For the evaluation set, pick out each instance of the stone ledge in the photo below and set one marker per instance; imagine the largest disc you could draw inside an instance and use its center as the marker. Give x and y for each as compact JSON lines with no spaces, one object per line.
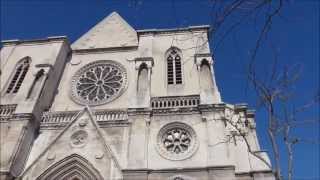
{"x":188,"y":169}
{"x":32,"y":41}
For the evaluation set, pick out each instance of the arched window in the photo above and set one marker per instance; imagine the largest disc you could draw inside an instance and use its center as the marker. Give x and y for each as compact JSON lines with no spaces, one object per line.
{"x":174,"y":69}
{"x":19,"y":75}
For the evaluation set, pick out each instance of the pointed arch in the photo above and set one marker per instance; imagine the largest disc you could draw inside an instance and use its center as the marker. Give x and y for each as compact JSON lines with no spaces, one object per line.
{"x":174,"y":66}
{"x":142,"y":78}
{"x":69,"y":168}
{"x":206,"y":75}
{"x":19,"y":74}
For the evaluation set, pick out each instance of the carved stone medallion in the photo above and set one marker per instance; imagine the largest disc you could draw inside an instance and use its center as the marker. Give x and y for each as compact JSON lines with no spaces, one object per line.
{"x":176,"y":141}
{"x":79,"y":138}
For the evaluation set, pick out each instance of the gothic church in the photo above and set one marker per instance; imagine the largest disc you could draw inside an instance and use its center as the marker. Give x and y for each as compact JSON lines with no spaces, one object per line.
{"x":121,"y":103}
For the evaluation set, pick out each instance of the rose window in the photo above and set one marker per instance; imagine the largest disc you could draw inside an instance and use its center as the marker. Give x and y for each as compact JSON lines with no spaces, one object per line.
{"x":98,"y":83}
{"x":176,"y":141}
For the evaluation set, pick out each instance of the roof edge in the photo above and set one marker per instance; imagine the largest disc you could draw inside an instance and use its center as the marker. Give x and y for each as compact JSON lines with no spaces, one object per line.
{"x":189,"y":28}
{"x":43,"y":40}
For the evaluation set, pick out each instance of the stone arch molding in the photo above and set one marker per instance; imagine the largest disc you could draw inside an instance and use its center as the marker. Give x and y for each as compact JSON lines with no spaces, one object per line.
{"x":71,"y":167}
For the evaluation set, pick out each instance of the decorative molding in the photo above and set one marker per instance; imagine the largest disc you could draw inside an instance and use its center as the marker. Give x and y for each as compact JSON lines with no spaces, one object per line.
{"x":58,"y":117}
{"x":6,"y":111}
{"x":180,"y":177}
{"x":175,"y":111}
{"x":14,"y":42}
{"x":147,"y":60}
{"x":53,"y":120}
{"x":111,"y":115}
{"x":198,"y":58}
{"x":69,"y":167}
{"x":175,"y":102}
{"x":174,"y":30}
{"x":103,"y":50}
{"x":180,"y":170}
{"x":139,"y":111}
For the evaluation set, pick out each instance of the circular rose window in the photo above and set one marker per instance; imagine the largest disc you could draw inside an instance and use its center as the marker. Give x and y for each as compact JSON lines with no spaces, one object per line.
{"x":176,"y":141}
{"x":98,"y":83}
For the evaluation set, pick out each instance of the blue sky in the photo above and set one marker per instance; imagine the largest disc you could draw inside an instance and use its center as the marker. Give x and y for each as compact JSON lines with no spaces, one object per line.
{"x":295,"y":36}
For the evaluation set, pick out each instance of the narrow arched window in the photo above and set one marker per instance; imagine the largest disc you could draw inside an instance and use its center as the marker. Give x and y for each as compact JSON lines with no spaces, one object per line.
{"x":18,"y":76}
{"x":174,"y":69}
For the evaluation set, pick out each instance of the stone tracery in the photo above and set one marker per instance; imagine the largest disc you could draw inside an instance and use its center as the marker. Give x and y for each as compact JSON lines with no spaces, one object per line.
{"x":176,"y":141}
{"x":98,"y":83}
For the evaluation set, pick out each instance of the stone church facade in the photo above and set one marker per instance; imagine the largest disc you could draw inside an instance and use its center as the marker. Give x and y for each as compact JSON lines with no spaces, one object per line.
{"x":121,"y":103}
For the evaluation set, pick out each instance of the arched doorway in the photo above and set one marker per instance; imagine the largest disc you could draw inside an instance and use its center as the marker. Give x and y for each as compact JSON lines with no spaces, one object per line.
{"x":73,"y":167}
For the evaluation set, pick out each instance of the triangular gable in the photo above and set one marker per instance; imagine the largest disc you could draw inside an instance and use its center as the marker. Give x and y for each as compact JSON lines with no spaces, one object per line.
{"x":113,"y":31}
{"x":81,"y":136}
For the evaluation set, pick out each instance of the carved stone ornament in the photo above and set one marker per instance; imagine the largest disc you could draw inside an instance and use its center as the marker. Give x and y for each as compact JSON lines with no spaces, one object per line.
{"x":98,"y":83}
{"x":79,"y":138}
{"x":176,"y":141}
{"x":51,"y":156}
{"x":180,"y":177}
{"x":83,"y":122}
{"x":99,"y":155}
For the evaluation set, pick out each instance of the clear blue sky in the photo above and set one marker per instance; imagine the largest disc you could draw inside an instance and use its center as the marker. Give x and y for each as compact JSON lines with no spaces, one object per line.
{"x":295,"y":35}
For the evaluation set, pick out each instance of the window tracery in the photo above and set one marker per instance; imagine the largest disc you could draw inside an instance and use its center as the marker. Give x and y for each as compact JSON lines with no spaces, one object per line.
{"x":174,"y":68}
{"x":98,"y":83}
{"x":176,"y":141}
{"x":19,"y":75}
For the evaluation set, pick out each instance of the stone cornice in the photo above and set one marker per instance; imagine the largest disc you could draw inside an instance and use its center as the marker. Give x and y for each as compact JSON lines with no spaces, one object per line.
{"x":174,"y":30}
{"x":22,"y":116}
{"x":104,"y":50}
{"x":121,"y":123}
{"x":188,"y":169}
{"x":14,"y":42}
{"x":174,"y":111}
{"x":254,"y":172}
{"x":139,"y":111}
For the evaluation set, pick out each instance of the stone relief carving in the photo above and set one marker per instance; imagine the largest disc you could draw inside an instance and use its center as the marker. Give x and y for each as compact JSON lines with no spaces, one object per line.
{"x":180,"y":177}
{"x":83,"y":122}
{"x":98,"y":83}
{"x":79,"y":138}
{"x":176,"y":141}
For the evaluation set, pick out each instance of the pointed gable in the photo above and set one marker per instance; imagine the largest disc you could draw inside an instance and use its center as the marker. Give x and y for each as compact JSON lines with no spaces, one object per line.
{"x":82,"y":138}
{"x":113,"y":31}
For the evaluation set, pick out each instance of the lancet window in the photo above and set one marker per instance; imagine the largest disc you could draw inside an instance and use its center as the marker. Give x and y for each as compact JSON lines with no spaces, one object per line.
{"x":174,"y":68}
{"x":19,"y":75}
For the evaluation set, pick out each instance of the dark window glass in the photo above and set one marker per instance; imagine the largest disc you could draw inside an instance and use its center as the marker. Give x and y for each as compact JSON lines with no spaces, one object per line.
{"x":174,"y":68}
{"x":19,"y":75}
